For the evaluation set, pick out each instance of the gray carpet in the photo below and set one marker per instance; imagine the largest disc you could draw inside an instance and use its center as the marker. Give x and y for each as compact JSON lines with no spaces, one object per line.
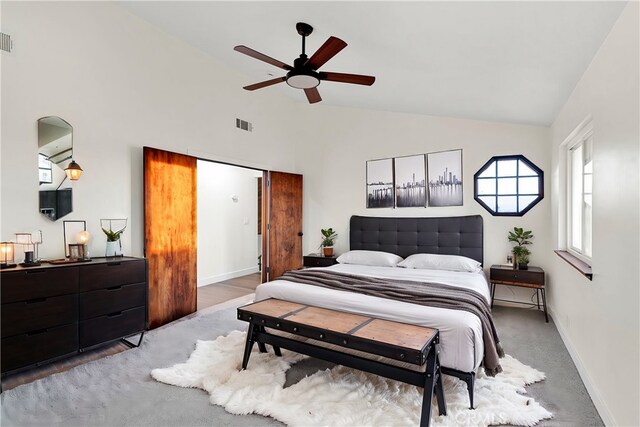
{"x":118,"y":391}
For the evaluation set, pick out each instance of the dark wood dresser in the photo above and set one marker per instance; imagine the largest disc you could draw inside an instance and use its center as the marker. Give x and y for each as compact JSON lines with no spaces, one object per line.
{"x":53,"y":311}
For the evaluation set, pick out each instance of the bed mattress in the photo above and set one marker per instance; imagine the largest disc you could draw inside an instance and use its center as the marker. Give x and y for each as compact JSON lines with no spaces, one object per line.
{"x":461,"y":345}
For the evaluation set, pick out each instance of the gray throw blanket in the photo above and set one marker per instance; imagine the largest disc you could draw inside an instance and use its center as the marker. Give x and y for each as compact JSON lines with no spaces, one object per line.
{"x":428,"y":294}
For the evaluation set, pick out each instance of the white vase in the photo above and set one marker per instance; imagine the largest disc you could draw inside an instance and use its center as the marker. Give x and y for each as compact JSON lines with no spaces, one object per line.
{"x":113,"y":249}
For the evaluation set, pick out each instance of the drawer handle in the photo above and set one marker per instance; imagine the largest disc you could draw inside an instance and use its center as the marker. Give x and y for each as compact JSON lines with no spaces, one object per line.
{"x":115,"y":314}
{"x":114,"y":288}
{"x":35,"y":301}
{"x":110,"y":264}
{"x":36,"y":271}
{"x":38,"y":332}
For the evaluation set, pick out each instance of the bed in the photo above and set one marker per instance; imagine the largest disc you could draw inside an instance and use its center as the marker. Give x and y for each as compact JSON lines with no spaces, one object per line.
{"x":462,"y":347}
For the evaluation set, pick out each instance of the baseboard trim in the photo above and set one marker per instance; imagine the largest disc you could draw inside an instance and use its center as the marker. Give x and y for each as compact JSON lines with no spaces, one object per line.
{"x":596,"y":397}
{"x":227,"y":276}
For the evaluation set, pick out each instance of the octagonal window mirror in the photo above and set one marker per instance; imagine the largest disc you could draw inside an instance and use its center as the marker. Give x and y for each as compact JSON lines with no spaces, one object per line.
{"x":508,"y":185}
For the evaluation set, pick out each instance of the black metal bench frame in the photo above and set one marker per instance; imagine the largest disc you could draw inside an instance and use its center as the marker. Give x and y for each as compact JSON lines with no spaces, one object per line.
{"x":430,"y":380}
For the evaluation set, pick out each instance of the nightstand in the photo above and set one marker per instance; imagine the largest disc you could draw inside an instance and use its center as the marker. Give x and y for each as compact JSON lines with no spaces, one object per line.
{"x":316,"y":260}
{"x":532,"y":278}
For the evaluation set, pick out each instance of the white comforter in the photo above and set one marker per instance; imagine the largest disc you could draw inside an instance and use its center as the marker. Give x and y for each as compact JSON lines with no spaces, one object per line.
{"x":461,"y":345}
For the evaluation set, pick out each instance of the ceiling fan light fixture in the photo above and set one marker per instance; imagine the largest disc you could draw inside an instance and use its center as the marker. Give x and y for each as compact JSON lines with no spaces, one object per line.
{"x":302,"y":80}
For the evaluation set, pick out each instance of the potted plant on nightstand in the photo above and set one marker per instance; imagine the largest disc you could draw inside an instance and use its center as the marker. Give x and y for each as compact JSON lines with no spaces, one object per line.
{"x":328,"y":238}
{"x":520,"y":252}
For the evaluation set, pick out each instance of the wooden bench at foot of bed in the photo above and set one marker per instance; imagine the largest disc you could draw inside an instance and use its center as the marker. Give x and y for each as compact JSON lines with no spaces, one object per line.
{"x":415,"y":345}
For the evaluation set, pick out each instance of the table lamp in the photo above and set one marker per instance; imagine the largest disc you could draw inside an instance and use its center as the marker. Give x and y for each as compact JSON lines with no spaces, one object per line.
{"x":6,"y":255}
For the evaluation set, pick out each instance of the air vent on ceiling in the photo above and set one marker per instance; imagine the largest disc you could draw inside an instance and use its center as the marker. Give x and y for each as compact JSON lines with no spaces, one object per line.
{"x":244,"y":125}
{"x":5,"y":42}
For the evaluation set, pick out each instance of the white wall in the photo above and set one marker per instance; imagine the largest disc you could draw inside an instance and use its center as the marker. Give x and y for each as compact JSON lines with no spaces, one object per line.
{"x":122,"y":84}
{"x":227,"y":229}
{"x":599,"y":320}
{"x":334,"y":171}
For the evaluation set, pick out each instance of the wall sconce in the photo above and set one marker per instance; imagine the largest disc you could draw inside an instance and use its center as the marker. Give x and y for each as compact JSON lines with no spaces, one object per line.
{"x":73,"y":171}
{"x":6,"y":255}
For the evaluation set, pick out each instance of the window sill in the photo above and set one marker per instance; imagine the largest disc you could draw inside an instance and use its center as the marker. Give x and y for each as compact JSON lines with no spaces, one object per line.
{"x":578,"y":264}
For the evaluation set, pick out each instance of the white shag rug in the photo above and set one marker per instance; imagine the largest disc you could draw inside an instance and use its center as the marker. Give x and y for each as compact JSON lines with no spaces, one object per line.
{"x":346,"y":397}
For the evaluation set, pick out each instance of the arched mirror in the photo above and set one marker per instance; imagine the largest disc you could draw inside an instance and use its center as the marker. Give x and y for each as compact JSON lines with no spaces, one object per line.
{"x":55,"y":151}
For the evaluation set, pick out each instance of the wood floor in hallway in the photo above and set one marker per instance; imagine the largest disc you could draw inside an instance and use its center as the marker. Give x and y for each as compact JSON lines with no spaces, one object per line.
{"x":227,"y":290}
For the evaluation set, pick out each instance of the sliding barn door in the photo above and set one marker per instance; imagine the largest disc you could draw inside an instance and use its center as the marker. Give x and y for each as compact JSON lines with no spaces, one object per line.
{"x":284,"y":225}
{"x":170,"y":227}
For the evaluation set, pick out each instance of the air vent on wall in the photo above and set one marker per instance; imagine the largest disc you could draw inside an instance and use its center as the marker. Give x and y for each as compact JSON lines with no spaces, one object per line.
{"x":5,"y":42}
{"x":244,"y":125}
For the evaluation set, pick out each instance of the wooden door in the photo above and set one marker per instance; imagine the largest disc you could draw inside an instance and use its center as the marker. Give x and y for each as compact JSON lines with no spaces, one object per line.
{"x":284,"y":225}
{"x":170,"y":227}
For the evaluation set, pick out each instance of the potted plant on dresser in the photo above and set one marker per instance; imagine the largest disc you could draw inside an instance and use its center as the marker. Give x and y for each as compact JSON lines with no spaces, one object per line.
{"x":114,"y":246}
{"x":328,"y":239}
{"x":520,"y":251}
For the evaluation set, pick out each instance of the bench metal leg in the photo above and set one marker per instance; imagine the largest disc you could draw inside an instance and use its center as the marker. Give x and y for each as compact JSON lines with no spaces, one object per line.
{"x":276,"y":350}
{"x":538,"y":298}
{"x":433,"y":381}
{"x":248,"y":345}
{"x":442,"y":403}
{"x":427,"y":392}
{"x":261,"y":346}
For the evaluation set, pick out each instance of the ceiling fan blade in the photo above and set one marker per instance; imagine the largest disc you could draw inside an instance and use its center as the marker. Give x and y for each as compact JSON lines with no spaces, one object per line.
{"x":328,"y":50}
{"x":348,"y":78}
{"x":265,"y":83}
{"x":262,"y":57}
{"x":313,"y":95}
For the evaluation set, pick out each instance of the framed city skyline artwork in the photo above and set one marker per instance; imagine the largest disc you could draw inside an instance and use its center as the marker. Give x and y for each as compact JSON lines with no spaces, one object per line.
{"x":445,"y":178}
{"x":380,"y":183}
{"x":410,"y":181}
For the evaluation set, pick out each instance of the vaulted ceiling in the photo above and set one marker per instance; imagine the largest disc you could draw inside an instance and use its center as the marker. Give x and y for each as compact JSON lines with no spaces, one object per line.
{"x":499,"y":61}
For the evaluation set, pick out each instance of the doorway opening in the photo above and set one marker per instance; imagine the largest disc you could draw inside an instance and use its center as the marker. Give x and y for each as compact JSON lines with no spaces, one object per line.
{"x":229,"y":231}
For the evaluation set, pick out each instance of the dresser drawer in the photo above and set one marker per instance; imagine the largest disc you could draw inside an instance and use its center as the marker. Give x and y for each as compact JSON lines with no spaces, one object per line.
{"x":27,"y":349}
{"x":38,"y":314}
{"x":316,"y":261}
{"x":38,"y":283}
{"x":111,"y":300}
{"x":107,"y":275}
{"x":518,"y":276}
{"x":112,"y":326}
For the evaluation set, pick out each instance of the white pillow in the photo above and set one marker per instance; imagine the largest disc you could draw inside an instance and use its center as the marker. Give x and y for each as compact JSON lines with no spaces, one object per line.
{"x":375,"y":258}
{"x":441,"y":262}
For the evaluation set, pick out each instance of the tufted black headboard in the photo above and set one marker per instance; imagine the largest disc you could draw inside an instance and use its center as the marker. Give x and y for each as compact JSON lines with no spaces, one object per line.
{"x":458,"y":235}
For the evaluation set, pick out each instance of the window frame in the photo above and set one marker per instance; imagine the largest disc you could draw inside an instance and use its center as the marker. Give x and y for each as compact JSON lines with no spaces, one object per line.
{"x":584,"y":133}
{"x":517,"y":194}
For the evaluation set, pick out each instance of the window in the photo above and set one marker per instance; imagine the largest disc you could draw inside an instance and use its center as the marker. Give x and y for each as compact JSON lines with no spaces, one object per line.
{"x":580,"y":193}
{"x":508,"y":185}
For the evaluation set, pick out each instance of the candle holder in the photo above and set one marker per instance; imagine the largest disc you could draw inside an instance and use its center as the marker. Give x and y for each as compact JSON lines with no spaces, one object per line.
{"x":24,"y":239}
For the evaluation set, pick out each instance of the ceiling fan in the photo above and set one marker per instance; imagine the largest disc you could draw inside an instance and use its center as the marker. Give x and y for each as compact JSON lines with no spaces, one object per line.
{"x":304,"y":74}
